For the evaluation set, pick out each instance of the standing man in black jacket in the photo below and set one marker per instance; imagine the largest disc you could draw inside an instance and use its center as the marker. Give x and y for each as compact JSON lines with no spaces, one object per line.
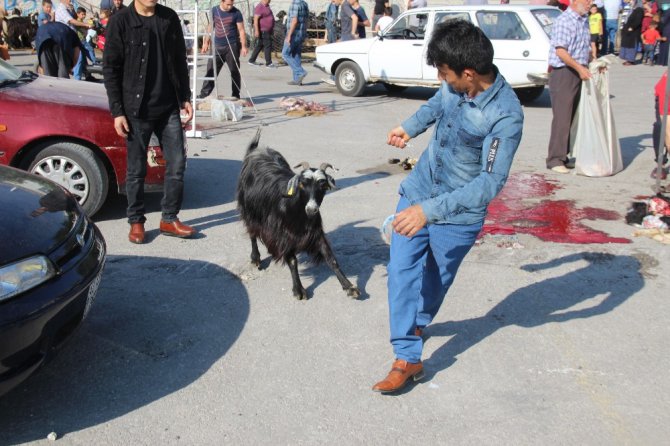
{"x":146,"y":77}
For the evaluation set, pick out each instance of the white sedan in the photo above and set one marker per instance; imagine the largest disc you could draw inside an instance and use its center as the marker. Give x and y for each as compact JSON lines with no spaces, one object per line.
{"x":397,"y":57}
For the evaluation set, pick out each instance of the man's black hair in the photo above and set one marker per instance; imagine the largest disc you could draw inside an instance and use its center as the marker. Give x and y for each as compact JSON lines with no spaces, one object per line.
{"x":80,"y":9}
{"x":459,"y":45}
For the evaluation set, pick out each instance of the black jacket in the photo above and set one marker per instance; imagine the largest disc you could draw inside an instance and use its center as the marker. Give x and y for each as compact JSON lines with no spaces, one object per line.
{"x":126,"y":55}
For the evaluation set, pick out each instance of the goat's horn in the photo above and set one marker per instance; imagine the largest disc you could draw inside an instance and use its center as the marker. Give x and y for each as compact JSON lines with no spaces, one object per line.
{"x":304,"y":165}
{"x":325,"y":166}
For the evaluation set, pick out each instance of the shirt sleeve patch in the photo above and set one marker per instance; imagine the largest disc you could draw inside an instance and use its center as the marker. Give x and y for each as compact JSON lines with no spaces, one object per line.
{"x":493,"y":151}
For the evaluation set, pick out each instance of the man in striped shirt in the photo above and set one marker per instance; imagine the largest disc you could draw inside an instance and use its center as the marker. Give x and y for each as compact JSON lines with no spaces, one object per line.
{"x":569,"y":55}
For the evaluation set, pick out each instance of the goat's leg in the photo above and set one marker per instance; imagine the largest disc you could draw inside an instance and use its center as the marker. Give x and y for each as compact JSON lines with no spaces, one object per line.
{"x":255,"y":254}
{"x":329,"y":256}
{"x":299,"y":292}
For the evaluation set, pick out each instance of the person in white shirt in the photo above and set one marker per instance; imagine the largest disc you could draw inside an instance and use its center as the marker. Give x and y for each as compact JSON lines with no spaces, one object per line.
{"x":384,"y":21}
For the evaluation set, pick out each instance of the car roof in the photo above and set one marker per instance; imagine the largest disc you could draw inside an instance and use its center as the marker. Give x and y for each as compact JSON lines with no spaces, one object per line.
{"x":482,"y":8}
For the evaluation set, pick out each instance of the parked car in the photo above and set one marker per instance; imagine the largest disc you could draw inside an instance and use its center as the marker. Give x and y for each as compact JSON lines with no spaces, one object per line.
{"x":62,"y":129}
{"x":51,"y":261}
{"x":397,"y":57}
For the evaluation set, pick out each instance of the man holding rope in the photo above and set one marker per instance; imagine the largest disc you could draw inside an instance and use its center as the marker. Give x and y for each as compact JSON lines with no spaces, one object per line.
{"x":229,"y":41}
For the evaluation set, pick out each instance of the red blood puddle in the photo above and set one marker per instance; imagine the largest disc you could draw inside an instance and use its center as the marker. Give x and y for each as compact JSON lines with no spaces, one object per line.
{"x":551,"y":221}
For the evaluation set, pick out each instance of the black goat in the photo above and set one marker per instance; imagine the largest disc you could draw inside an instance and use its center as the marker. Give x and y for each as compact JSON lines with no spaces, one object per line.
{"x":282,"y":209}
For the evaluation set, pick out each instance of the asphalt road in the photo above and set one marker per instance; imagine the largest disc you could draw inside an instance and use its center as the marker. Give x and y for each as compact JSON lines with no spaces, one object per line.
{"x":545,"y":337}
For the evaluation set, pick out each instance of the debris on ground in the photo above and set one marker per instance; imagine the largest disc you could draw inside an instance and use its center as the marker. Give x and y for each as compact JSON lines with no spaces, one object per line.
{"x":652,"y":217}
{"x":206,"y":103}
{"x":507,"y":241}
{"x":407,"y":163}
{"x":53,"y":436}
{"x":296,"y":106}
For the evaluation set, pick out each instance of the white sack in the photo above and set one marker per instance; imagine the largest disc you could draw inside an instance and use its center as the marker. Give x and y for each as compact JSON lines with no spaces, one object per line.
{"x":593,"y":140}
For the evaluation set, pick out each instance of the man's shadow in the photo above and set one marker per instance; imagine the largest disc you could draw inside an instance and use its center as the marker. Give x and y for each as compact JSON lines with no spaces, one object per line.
{"x":577,"y":294}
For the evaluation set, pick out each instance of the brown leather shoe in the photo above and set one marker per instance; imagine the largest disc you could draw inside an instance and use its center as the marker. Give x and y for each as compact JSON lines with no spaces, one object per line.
{"x":136,"y":234}
{"x":176,"y":229}
{"x":401,"y":371}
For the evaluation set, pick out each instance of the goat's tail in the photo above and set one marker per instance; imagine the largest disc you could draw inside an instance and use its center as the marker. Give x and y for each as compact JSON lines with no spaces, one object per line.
{"x":254,"y":142}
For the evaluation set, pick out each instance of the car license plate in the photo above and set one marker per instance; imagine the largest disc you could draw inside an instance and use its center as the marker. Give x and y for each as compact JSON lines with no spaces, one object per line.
{"x":92,"y":291}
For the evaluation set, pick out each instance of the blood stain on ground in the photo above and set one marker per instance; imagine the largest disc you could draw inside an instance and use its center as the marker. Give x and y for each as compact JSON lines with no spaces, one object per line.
{"x":549,"y":220}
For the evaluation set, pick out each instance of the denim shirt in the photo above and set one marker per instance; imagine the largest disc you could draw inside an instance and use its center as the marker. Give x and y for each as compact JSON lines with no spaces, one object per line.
{"x":469,"y":155}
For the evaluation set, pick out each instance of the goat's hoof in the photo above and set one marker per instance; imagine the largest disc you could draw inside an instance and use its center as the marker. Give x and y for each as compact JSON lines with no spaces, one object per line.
{"x":300,"y":294}
{"x":353,"y":292}
{"x":256,"y":263}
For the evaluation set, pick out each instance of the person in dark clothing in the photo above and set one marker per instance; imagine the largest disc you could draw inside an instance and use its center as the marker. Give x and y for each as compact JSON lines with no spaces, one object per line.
{"x":630,"y":34}
{"x":58,"y":48}
{"x":146,"y":77}
{"x":662,"y":58}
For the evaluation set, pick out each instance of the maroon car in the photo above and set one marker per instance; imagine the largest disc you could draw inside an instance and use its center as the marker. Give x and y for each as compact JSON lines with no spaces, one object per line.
{"x":62,"y":129}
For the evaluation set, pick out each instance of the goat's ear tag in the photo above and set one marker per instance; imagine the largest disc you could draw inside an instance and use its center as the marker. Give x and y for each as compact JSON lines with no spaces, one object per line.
{"x":290,"y":192}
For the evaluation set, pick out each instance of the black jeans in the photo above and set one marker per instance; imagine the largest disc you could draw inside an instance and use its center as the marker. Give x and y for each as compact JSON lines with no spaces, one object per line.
{"x":265,"y":44}
{"x":171,"y":137}
{"x":231,"y":56}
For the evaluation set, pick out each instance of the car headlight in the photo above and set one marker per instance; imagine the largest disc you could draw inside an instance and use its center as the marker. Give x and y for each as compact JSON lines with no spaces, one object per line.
{"x":21,"y":276}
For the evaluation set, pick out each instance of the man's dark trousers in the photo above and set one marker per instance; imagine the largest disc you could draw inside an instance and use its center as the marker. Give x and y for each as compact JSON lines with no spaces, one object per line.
{"x":564,"y":89}
{"x":265,"y":44}
{"x":231,"y":56}
{"x":171,"y":136}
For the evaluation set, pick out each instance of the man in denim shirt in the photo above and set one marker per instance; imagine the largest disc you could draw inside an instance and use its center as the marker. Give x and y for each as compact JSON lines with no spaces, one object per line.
{"x":478,"y":123}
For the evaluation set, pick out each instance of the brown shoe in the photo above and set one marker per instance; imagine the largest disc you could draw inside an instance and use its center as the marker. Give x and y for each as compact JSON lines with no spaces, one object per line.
{"x":136,"y":234}
{"x":176,"y":229}
{"x":400,"y":372}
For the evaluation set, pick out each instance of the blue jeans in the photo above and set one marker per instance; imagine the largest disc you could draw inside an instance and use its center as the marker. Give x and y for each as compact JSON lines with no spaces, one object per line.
{"x":79,"y":67}
{"x":420,"y":272}
{"x":171,"y":137}
{"x":648,"y":55}
{"x":90,"y":52}
{"x":293,"y":60}
{"x":332,"y":32}
{"x":609,"y":36}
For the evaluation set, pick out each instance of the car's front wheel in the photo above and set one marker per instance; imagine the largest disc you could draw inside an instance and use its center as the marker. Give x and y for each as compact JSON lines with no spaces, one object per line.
{"x":349,"y":79}
{"x":77,"y":169}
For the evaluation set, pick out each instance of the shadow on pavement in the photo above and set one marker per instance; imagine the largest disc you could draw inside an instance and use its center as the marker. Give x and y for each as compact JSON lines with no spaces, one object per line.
{"x":359,"y":249}
{"x":140,"y":344}
{"x":544,"y":302}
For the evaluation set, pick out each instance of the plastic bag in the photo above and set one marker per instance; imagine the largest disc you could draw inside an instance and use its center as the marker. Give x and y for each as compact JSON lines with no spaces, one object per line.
{"x":226,"y":110}
{"x":593,"y":140}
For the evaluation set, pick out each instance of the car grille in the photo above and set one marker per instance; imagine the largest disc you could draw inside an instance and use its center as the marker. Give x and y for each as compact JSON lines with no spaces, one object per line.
{"x":75,"y":245}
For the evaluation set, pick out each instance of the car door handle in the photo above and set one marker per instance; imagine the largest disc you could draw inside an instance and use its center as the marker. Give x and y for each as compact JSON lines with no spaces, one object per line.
{"x":417,"y":44}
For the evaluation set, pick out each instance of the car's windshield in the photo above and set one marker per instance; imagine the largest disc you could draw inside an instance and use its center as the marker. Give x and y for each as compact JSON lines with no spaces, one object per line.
{"x":546,"y":18}
{"x":411,"y":26}
{"x":8,"y":71}
{"x":12,"y":76}
{"x":502,"y":25}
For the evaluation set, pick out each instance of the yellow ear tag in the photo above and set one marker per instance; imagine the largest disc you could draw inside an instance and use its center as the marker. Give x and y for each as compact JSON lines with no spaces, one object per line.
{"x":290,"y":192}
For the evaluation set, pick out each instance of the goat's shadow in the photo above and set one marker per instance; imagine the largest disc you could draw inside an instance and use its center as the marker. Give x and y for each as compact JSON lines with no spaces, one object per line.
{"x":544,"y":302}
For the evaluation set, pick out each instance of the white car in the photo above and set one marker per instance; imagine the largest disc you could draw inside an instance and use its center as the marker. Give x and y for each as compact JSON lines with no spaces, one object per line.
{"x":397,"y":57}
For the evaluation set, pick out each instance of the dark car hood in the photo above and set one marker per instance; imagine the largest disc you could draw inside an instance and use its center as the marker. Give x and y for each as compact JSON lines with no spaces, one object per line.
{"x":36,"y":215}
{"x":61,"y":91}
